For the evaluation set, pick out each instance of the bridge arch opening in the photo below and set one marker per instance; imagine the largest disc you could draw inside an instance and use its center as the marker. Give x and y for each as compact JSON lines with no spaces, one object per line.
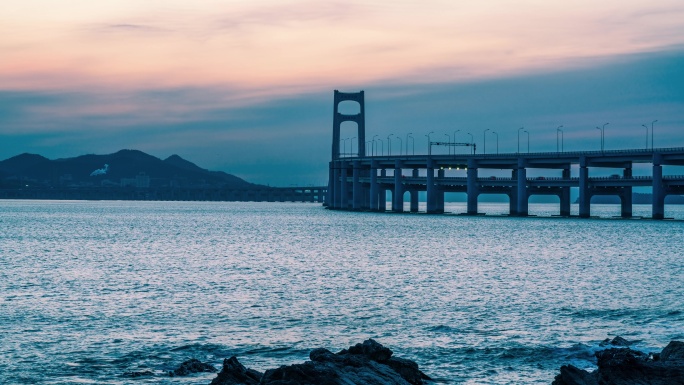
{"x":605,"y":205}
{"x":349,"y":141}
{"x":349,"y":107}
{"x":493,"y":204}
{"x":455,"y":202}
{"x":544,"y":205}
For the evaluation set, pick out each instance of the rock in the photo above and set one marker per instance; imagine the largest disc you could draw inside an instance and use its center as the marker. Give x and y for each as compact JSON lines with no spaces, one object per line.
{"x":617,"y":341}
{"x":368,"y":363}
{"x":618,"y":366}
{"x":234,"y":373}
{"x":192,"y":365}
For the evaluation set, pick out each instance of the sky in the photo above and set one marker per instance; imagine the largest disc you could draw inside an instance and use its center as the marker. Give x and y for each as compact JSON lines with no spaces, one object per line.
{"x":246,"y":87}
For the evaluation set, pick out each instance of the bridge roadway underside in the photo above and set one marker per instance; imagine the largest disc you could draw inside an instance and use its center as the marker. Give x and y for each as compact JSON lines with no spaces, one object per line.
{"x":362,"y":183}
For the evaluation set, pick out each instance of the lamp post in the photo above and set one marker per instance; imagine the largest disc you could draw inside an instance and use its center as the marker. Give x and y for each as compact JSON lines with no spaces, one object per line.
{"x":429,"y":147}
{"x":448,"y":141}
{"x":652,"y":133}
{"x":471,"y":141}
{"x":558,"y":129}
{"x":382,"y":147}
{"x":646,"y":127}
{"x":528,"y":140}
{"x":484,"y":140}
{"x":603,"y":137}
{"x":455,"y":140}
{"x":401,"y":145}
{"x":407,"y":136}
{"x":389,"y":145}
{"x":521,"y":128}
{"x":374,"y":144}
{"x":351,"y":146}
{"x":562,"y":139}
{"x":497,"y":142}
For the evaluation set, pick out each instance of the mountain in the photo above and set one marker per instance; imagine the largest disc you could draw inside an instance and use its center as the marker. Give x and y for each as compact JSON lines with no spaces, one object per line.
{"x":121,"y":167}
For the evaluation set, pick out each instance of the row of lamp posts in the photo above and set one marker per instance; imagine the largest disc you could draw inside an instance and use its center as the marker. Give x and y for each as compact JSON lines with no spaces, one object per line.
{"x":559,"y":141}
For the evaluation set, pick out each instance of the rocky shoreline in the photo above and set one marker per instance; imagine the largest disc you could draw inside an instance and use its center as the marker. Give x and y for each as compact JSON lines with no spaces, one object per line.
{"x":370,"y":363}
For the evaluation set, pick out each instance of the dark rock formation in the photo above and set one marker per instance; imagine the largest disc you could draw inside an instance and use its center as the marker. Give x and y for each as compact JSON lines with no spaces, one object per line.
{"x":617,"y":341}
{"x":234,"y":373}
{"x":192,"y":365}
{"x":143,"y":373}
{"x":368,"y":363}
{"x":618,"y":366}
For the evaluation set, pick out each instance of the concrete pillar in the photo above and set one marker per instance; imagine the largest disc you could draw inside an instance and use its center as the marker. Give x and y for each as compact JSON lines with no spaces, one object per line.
{"x":329,"y":197}
{"x":382,"y":193}
{"x":584,"y":193}
{"x":357,"y":195}
{"x":344,"y":191}
{"x":521,"y":193}
{"x":565,"y":196}
{"x":658,"y":188}
{"x":439,"y":200}
{"x":626,"y":195}
{"x":472,"y":188}
{"x":513,"y":195}
{"x":398,"y":194}
{"x":337,"y":187}
{"x":431,"y":188}
{"x":414,"y":194}
{"x":374,"y":190}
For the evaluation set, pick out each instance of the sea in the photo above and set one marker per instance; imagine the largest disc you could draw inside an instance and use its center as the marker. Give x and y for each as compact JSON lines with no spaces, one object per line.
{"x":120,"y":292}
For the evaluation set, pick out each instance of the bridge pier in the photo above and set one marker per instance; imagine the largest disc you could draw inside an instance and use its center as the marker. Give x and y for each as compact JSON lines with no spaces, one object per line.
{"x":439,"y":199}
{"x":374,"y":186}
{"x":344,"y":191}
{"x":565,"y":202}
{"x":331,"y":186}
{"x":398,"y":194}
{"x":414,"y":193}
{"x":357,"y":193}
{"x":382,"y":194}
{"x":472,"y":188}
{"x":431,"y":188}
{"x":337,"y":186}
{"x":584,"y":194}
{"x":626,"y":196}
{"x":521,"y":192}
{"x":658,"y":208}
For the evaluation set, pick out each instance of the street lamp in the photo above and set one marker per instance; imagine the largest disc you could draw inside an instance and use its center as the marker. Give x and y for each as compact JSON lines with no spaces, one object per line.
{"x":471,"y":141}
{"x":484,"y":140}
{"x":652,"y":133}
{"x":455,"y":140}
{"x":521,"y":128}
{"x":389,"y":145}
{"x":558,"y":129}
{"x":401,"y":145}
{"x":603,"y":135}
{"x":382,"y":147}
{"x":407,"y":136}
{"x":429,"y":147}
{"x":497,"y":142}
{"x":646,"y":127}
{"x":351,"y":146}
{"x":528,"y":140}
{"x":374,"y":144}
{"x":448,"y":141}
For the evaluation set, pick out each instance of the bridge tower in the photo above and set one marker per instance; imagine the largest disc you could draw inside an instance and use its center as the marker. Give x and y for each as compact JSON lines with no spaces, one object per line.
{"x":359,"y":119}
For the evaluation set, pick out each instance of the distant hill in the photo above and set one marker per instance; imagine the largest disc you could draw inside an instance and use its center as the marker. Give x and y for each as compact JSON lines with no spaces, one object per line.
{"x":122,"y":167}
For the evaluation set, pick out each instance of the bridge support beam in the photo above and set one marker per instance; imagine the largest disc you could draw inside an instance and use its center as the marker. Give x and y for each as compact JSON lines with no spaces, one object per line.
{"x":472,"y":188}
{"x":521,"y":193}
{"x":329,"y":197}
{"x":337,"y":188}
{"x":658,"y":189}
{"x":374,"y":186}
{"x":565,"y":196}
{"x":431,"y":188}
{"x":344,"y":191}
{"x":382,"y":193}
{"x":398,"y":194}
{"x":414,"y":194}
{"x":584,"y":194}
{"x":626,"y":196}
{"x":357,"y":194}
{"x":439,"y":199}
